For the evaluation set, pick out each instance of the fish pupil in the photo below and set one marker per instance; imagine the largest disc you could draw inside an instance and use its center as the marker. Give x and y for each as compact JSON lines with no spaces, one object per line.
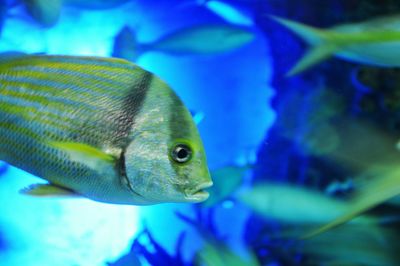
{"x":181,"y":153}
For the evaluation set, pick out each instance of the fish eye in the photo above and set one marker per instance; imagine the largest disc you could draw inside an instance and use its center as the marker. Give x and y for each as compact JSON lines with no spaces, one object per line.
{"x":181,"y":153}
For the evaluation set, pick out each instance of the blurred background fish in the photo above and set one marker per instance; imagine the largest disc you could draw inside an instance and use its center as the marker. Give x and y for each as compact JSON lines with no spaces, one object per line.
{"x":290,"y":204}
{"x":195,"y":40}
{"x":232,"y":13}
{"x":374,"y":41}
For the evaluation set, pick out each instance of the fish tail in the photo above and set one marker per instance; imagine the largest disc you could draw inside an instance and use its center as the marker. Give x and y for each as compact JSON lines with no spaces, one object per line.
{"x":375,"y":192}
{"x":126,"y":45}
{"x":322,"y":45}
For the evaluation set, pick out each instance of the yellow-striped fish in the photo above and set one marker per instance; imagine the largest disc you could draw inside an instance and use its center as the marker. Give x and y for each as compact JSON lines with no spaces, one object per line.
{"x":374,"y":42}
{"x":102,"y":128}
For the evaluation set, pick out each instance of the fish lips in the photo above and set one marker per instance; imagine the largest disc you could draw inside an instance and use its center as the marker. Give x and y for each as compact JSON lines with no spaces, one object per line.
{"x":198,"y":194}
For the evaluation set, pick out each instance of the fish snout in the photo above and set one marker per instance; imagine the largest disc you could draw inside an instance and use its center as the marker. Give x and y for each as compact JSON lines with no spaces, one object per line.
{"x":198,"y":194}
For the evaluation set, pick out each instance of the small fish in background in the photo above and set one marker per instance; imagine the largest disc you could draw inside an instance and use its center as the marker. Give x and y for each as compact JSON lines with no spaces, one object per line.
{"x":374,"y":42}
{"x":382,"y":188}
{"x":95,"y":4}
{"x":44,"y":12}
{"x":230,"y":13}
{"x":205,"y":39}
{"x":296,"y":205}
{"x":219,"y":254}
{"x":377,"y":180}
{"x":351,"y":244}
{"x":226,"y":180}
{"x":102,"y":128}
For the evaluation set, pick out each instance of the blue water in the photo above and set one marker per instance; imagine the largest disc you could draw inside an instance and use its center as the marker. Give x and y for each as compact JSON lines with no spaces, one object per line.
{"x":253,"y":115}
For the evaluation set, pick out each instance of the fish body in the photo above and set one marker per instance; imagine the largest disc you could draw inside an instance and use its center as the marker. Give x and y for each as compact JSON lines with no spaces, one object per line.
{"x":196,"y":40}
{"x":295,"y":205}
{"x":374,"y":42}
{"x":99,"y":127}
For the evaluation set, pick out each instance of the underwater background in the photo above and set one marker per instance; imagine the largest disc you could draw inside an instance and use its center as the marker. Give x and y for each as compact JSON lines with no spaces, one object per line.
{"x":287,"y":153}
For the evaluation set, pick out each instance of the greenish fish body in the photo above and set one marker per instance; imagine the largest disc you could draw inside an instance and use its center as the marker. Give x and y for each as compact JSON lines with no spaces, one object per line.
{"x":375,"y":42}
{"x":203,"y":39}
{"x":295,"y":205}
{"x":99,"y":127}
{"x":197,"y":40}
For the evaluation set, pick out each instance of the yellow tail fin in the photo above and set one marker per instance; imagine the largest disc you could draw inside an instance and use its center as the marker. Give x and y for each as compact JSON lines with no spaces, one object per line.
{"x":321,"y":49}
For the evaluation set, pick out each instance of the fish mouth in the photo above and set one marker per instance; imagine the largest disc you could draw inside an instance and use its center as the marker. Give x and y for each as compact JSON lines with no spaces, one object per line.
{"x":198,"y":194}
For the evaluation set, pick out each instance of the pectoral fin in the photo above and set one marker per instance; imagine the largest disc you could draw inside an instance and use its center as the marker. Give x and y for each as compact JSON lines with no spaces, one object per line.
{"x":92,"y":157}
{"x":48,"y":190}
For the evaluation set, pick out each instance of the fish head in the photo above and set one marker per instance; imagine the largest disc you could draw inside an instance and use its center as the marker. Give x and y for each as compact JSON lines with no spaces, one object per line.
{"x":165,"y":160}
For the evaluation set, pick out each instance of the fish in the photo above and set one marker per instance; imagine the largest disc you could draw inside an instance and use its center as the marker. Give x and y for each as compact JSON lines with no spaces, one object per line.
{"x":374,"y":42}
{"x":44,"y":12}
{"x":374,"y":245}
{"x":295,"y":205}
{"x":378,"y":174}
{"x":216,"y":253}
{"x":95,"y":4}
{"x":232,"y":14}
{"x":229,"y":13}
{"x":101,"y":128}
{"x":382,"y":188}
{"x":204,"y":39}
